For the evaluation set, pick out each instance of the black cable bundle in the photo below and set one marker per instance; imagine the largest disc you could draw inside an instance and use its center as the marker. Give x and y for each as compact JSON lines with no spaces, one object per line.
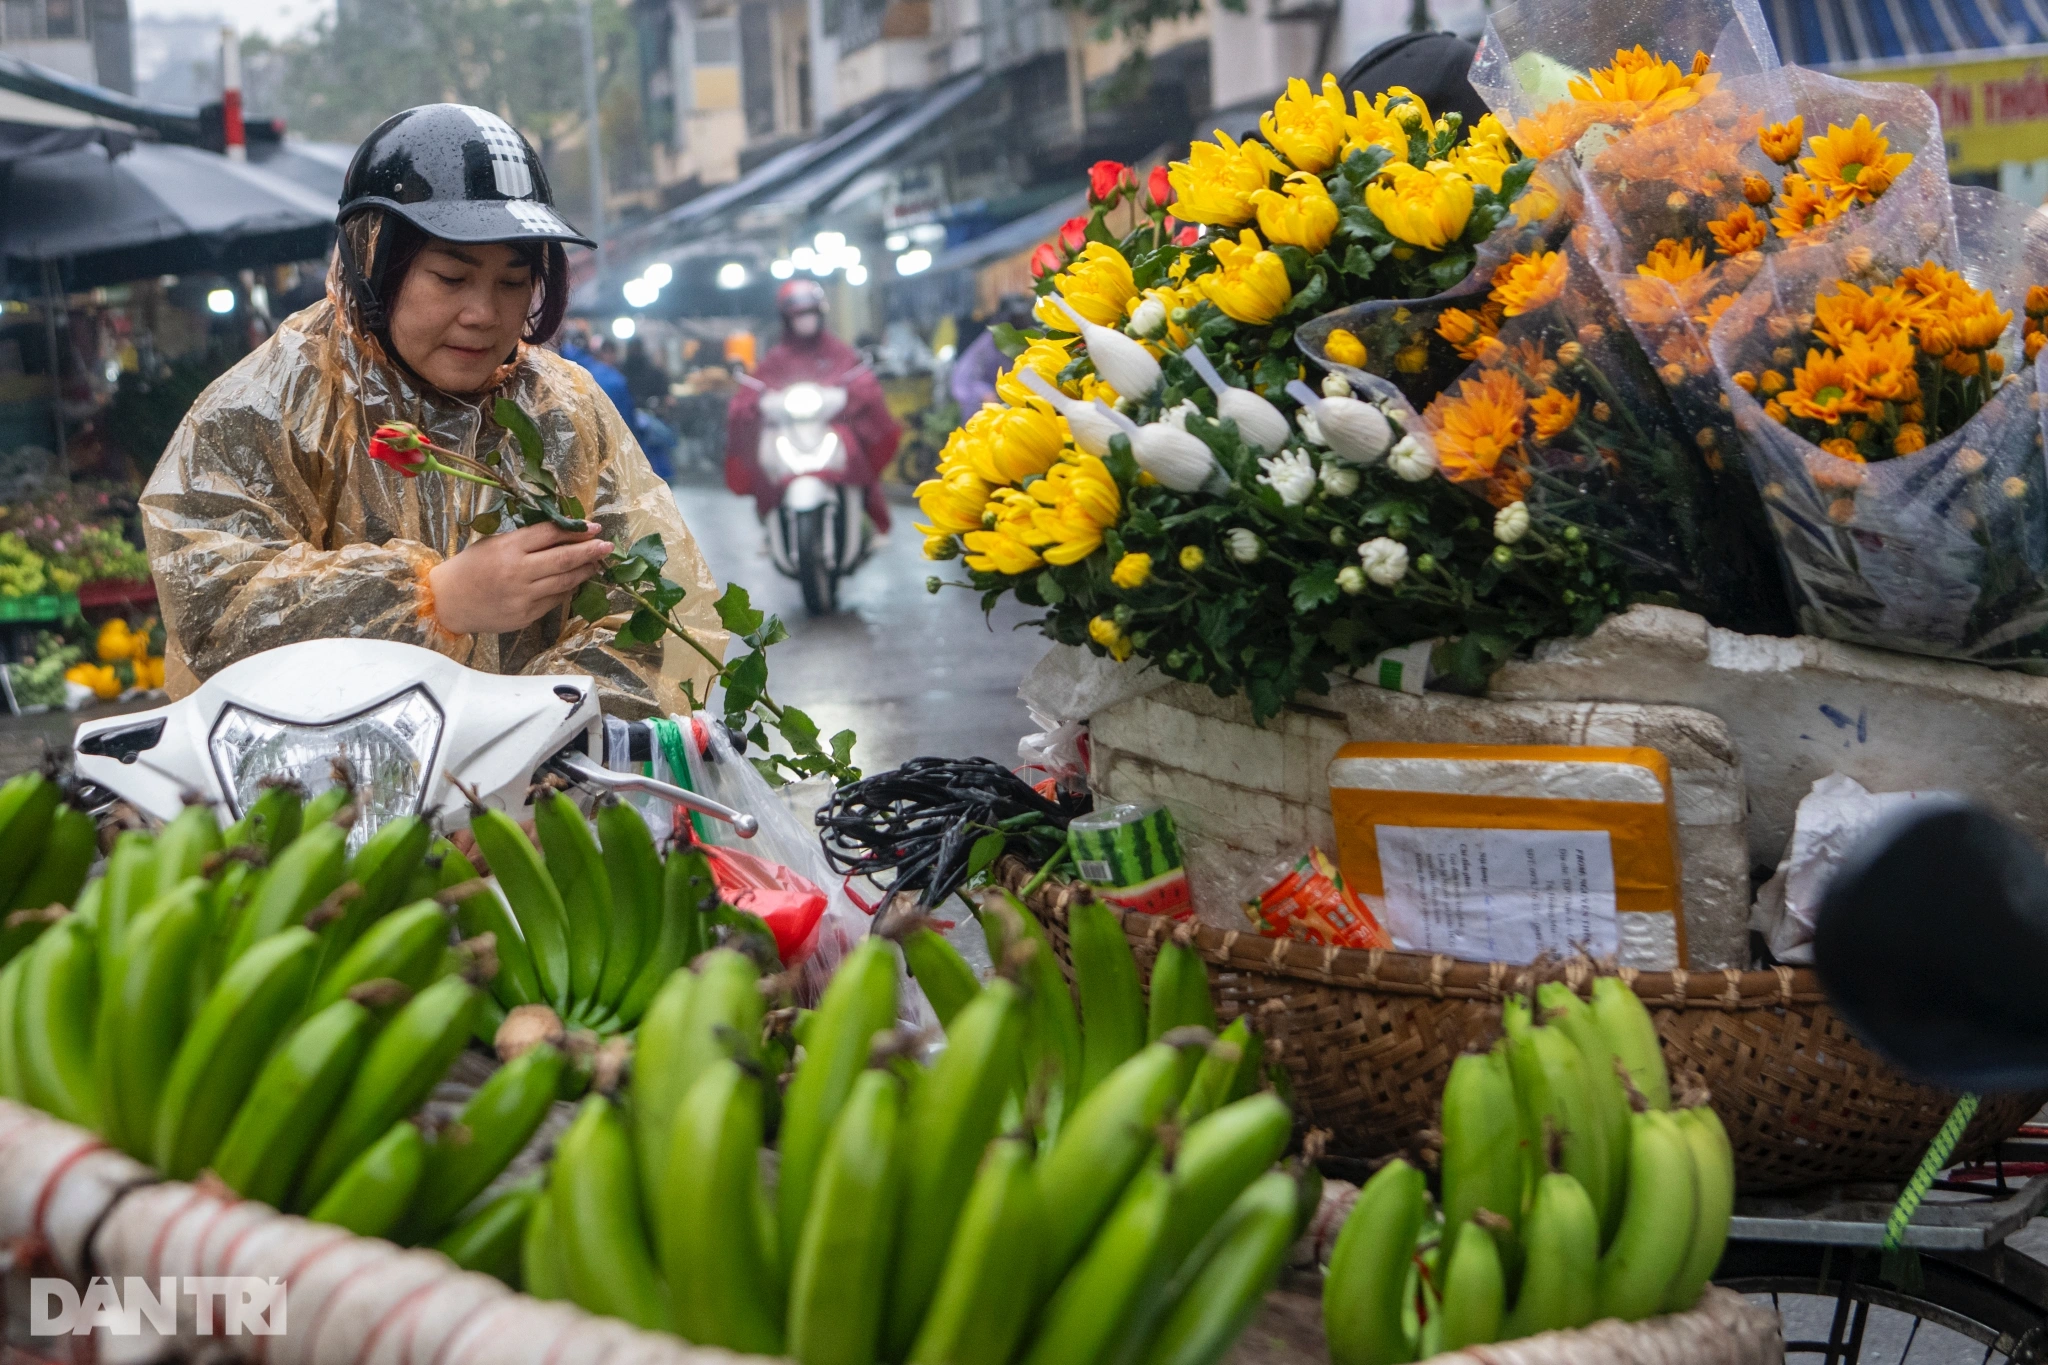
{"x":922,"y":820}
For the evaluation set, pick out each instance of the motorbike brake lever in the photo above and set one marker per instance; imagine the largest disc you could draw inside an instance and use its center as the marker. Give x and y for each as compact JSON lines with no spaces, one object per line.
{"x":581,"y":769}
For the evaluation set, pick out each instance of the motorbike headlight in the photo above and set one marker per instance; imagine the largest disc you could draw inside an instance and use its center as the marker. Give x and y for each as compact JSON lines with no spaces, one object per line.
{"x":389,"y":748}
{"x":803,"y":401}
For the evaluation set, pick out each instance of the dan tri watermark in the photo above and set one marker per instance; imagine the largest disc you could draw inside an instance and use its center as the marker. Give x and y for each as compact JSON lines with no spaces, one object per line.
{"x":220,"y":1305}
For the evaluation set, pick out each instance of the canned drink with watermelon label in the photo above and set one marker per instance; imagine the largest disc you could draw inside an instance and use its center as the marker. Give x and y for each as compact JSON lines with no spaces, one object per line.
{"x":1130,"y":856}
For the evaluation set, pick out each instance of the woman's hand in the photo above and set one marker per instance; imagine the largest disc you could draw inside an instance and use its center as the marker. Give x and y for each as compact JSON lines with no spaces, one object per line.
{"x":507,"y":582}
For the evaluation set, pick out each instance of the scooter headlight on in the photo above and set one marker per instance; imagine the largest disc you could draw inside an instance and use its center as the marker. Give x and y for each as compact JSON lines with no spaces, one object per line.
{"x":803,"y":401}
{"x":390,"y":748}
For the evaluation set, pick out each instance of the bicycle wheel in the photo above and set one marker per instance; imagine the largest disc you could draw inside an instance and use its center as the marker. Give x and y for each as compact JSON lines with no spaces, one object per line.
{"x":1835,"y":1306}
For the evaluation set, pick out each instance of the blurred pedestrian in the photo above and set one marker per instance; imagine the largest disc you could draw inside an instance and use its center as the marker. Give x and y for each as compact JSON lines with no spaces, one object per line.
{"x":974,"y":375}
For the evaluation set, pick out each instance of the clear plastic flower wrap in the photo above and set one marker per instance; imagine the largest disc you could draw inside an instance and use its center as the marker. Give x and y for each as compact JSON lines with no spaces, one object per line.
{"x":1883,"y":384}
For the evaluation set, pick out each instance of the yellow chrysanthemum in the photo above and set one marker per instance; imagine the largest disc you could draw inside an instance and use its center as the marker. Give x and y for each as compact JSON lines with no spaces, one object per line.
{"x":1674,"y":260}
{"x":1477,"y":425}
{"x":1537,"y":201}
{"x":1078,"y":500}
{"x":1134,"y":570}
{"x":1299,"y":213}
{"x":1552,"y":413}
{"x":1653,"y":88}
{"x":1384,"y":120}
{"x":1851,"y":312}
{"x":1911,"y":437}
{"x":1804,"y":204}
{"x":1216,"y":183}
{"x":1308,"y":127}
{"x":1344,"y":347}
{"x":1880,"y":370}
{"x":953,"y":503}
{"x":1096,"y":284}
{"x":1105,"y":632}
{"x":1527,"y":282}
{"x":1047,"y":355}
{"x":1425,"y":208}
{"x":1822,"y":389}
{"x":1856,"y":161}
{"x":1251,"y":285}
{"x":1011,"y":444}
{"x":1740,"y":231}
{"x":1780,"y":141}
{"x":1192,"y":558}
{"x":1000,"y":551}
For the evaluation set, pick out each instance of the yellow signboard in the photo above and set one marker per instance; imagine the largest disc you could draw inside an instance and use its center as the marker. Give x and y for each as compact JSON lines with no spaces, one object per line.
{"x":1992,"y":112}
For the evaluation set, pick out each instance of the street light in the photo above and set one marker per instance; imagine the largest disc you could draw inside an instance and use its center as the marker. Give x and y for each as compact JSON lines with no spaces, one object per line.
{"x":641,"y":292}
{"x":911,"y":262}
{"x":829,"y":244}
{"x":220,"y":301}
{"x":623,"y":328}
{"x":782,"y":269}
{"x":732,"y":275}
{"x":856,"y":274}
{"x":660,"y":274}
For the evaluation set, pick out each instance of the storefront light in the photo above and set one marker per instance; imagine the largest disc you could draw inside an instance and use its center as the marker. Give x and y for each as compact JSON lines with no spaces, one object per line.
{"x":782,"y":269}
{"x":911,"y":262}
{"x":896,"y":241}
{"x":803,"y":258}
{"x":623,"y":328}
{"x":659,"y":274}
{"x":829,"y":244}
{"x":732,"y":275}
{"x":220,"y":301}
{"x":856,"y":274}
{"x":639,"y":293}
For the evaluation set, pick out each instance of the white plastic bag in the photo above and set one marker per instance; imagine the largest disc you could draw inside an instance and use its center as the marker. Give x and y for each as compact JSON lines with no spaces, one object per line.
{"x":1832,"y":819}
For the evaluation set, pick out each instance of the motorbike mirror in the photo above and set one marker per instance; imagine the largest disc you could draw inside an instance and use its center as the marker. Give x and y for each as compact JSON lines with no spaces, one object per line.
{"x":1932,"y":942}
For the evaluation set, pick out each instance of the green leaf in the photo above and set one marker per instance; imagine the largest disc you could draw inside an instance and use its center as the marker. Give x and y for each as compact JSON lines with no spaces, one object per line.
{"x":1009,"y":340}
{"x":573,"y":509}
{"x":1122,"y":465}
{"x":1049,"y":590}
{"x":650,"y":550}
{"x":1309,"y":295}
{"x":842,"y":747}
{"x":1516,"y":178}
{"x":642,"y":628}
{"x":736,"y":612}
{"x":592,"y":602}
{"x":513,"y":418}
{"x":1358,"y":261}
{"x":1454,"y":267}
{"x":774,"y":633}
{"x":573,"y":524}
{"x":1314,"y":587}
{"x":986,"y":850}
{"x":487,"y":523}
{"x":745,"y":681}
{"x":798,"y":728}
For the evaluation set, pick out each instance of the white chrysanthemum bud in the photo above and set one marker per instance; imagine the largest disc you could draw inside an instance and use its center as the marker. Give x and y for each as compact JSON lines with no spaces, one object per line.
{"x":1148,"y":319}
{"x":1292,"y":476}
{"x":1310,"y":432}
{"x":1258,"y":422}
{"x":1089,"y":423}
{"x":1384,"y":560}
{"x":1411,"y":459}
{"x":1177,"y":415}
{"x":1339,"y":480}
{"x":1122,"y":363}
{"x":1242,"y":545}
{"x":1354,"y":431}
{"x":1351,"y":579}
{"x":1180,"y":461}
{"x":1511,"y":523}
{"x":1336,"y":386}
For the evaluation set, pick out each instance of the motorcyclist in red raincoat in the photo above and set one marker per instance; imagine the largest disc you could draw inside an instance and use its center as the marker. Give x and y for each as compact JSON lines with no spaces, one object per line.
{"x":809,"y":353}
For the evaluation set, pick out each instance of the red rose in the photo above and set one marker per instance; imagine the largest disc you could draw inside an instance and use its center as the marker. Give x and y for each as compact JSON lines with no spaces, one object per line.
{"x":1188,"y":236}
{"x":1105,"y":178}
{"x":1045,"y":260}
{"x":1158,"y":188}
{"x":400,"y":445}
{"x":1074,"y":233}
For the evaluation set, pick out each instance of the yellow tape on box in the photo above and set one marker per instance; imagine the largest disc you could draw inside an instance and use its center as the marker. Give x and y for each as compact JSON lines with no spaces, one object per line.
{"x":1508,"y":853}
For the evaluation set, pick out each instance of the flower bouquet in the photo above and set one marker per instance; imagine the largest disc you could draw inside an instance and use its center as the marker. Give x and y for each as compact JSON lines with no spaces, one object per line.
{"x":1158,"y":477}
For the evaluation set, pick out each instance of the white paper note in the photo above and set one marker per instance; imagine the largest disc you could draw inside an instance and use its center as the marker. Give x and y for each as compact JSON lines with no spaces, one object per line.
{"x":1498,"y":895}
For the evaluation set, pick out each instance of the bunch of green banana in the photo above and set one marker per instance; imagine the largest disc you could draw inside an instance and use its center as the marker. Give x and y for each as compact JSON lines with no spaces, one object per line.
{"x":1571,"y":1191}
{"x":915,"y":1217}
{"x":47,"y":845}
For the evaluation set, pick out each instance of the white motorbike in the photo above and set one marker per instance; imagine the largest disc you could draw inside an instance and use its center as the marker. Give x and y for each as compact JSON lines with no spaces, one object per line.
{"x":817,"y":530}
{"x":419,"y":733}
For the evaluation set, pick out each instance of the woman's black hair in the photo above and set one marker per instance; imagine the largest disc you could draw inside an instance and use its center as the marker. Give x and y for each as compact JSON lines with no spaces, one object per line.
{"x":547,"y":260}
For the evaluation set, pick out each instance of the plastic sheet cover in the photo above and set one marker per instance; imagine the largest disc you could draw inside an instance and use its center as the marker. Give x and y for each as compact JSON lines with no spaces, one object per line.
{"x":268,"y":523}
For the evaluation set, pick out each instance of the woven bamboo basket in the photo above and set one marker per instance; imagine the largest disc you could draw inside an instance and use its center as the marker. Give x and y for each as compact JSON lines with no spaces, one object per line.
{"x":1368,"y":1039}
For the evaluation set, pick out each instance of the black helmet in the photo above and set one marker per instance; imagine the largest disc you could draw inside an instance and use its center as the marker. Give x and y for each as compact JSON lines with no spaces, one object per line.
{"x":455,"y":172}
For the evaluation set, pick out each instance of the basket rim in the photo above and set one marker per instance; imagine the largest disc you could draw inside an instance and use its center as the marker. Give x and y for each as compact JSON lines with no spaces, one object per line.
{"x":1426,"y":974}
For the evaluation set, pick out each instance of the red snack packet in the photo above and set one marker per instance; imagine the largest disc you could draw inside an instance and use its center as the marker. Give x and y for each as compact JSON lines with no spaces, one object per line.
{"x":1312,"y":903}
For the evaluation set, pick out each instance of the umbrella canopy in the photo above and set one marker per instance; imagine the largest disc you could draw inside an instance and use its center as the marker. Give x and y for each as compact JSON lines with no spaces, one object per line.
{"x":102,"y":219}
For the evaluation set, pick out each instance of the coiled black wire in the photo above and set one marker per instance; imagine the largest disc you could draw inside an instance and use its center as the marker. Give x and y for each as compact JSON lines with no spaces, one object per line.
{"x":921,"y":821}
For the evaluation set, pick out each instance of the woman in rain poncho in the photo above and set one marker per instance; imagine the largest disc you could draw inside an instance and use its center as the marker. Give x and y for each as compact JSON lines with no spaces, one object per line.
{"x":269,"y":523}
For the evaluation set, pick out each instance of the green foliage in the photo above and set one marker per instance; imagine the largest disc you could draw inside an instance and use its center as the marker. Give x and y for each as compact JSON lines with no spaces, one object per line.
{"x":146,"y":409}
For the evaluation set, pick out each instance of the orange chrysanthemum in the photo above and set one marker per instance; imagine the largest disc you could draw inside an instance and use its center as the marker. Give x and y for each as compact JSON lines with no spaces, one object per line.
{"x":1823,"y":390}
{"x":1880,"y":370}
{"x":1851,"y":312}
{"x":1757,"y":190}
{"x":1911,"y":437}
{"x":1740,"y":231}
{"x":1780,"y":142}
{"x":1528,"y":282}
{"x":1856,"y":161}
{"x":1673,"y":259}
{"x":1527,"y":358}
{"x":1643,"y":81}
{"x":1467,"y":330}
{"x":1552,"y":413}
{"x":1478,"y":425}
{"x":1804,"y":205}
{"x":1715,"y":307}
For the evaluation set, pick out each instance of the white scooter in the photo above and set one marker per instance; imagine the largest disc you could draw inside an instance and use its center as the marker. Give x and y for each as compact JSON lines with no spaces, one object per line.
{"x":418,"y":731}
{"x":817,"y":532}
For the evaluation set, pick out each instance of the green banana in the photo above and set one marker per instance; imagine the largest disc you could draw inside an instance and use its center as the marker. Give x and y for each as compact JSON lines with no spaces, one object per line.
{"x":130,"y":885}
{"x":11,"y":1083}
{"x":497,"y":1123}
{"x":1483,"y":1165}
{"x":841,"y":1268}
{"x":1517,"y":1017}
{"x":1180,"y":992}
{"x":306,"y":873}
{"x":143,"y":1010}
{"x":1218,"y":1159}
{"x":1561,"y":1260}
{"x":716,"y":1233}
{"x":1124,"y":1264}
{"x":1475,"y":1291}
{"x":288,"y":1106}
{"x":1365,"y":1287}
{"x":535,"y":902}
{"x":273,"y":820}
{"x":543,"y":1270}
{"x":54,"y":1026}
{"x":1101,"y":1146}
{"x":1656,"y":1233}
{"x":1113,"y":1024}
{"x":686,"y":886}
{"x":1632,"y":1036}
{"x":948,"y":1123}
{"x":191,"y":837}
{"x":859,"y":1003}
{"x":988,"y":1286}
{"x":484,"y":913}
{"x":1052,"y":1029}
{"x":70,"y":847}
{"x":596,"y":1200}
{"x":1229,"y":1070}
{"x":221,"y":1053}
{"x":371,"y":1195}
{"x":1562,"y":1009}
{"x":229,"y":897}
{"x":1713,"y":1162}
{"x":405,"y":946}
{"x":659,"y":1083}
{"x":1208,"y":1315}
{"x":402,"y":1067}
{"x":28,"y":803}
{"x":633,"y":869}
{"x":325,"y":807}
{"x":940,"y":972}
{"x":381,"y":869}
{"x":1555,"y":1099}
{"x":487,"y":1241}
{"x":577,"y":870}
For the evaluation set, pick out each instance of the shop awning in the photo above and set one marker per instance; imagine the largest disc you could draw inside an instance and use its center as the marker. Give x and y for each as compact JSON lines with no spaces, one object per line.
{"x":1833,"y":33}
{"x":1019,"y":234}
{"x":812,"y":190}
{"x":55,"y":88}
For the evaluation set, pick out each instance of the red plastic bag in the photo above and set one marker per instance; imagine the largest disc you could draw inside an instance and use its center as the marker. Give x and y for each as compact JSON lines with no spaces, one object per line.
{"x":789,"y":904}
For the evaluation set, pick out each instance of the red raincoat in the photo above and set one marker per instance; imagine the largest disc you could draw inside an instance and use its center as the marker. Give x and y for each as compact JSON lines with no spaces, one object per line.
{"x":823,"y":359}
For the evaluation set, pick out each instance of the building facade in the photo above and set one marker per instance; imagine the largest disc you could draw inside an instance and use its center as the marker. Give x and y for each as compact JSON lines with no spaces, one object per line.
{"x":87,"y":40}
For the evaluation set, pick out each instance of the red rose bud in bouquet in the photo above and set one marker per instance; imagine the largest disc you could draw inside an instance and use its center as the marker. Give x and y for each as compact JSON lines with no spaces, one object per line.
{"x":1106,"y":179}
{"x":400,"y":445}
{"x":1159,"y":188}
{"x":1074,"y":233}
{"x":1045,"y":260}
